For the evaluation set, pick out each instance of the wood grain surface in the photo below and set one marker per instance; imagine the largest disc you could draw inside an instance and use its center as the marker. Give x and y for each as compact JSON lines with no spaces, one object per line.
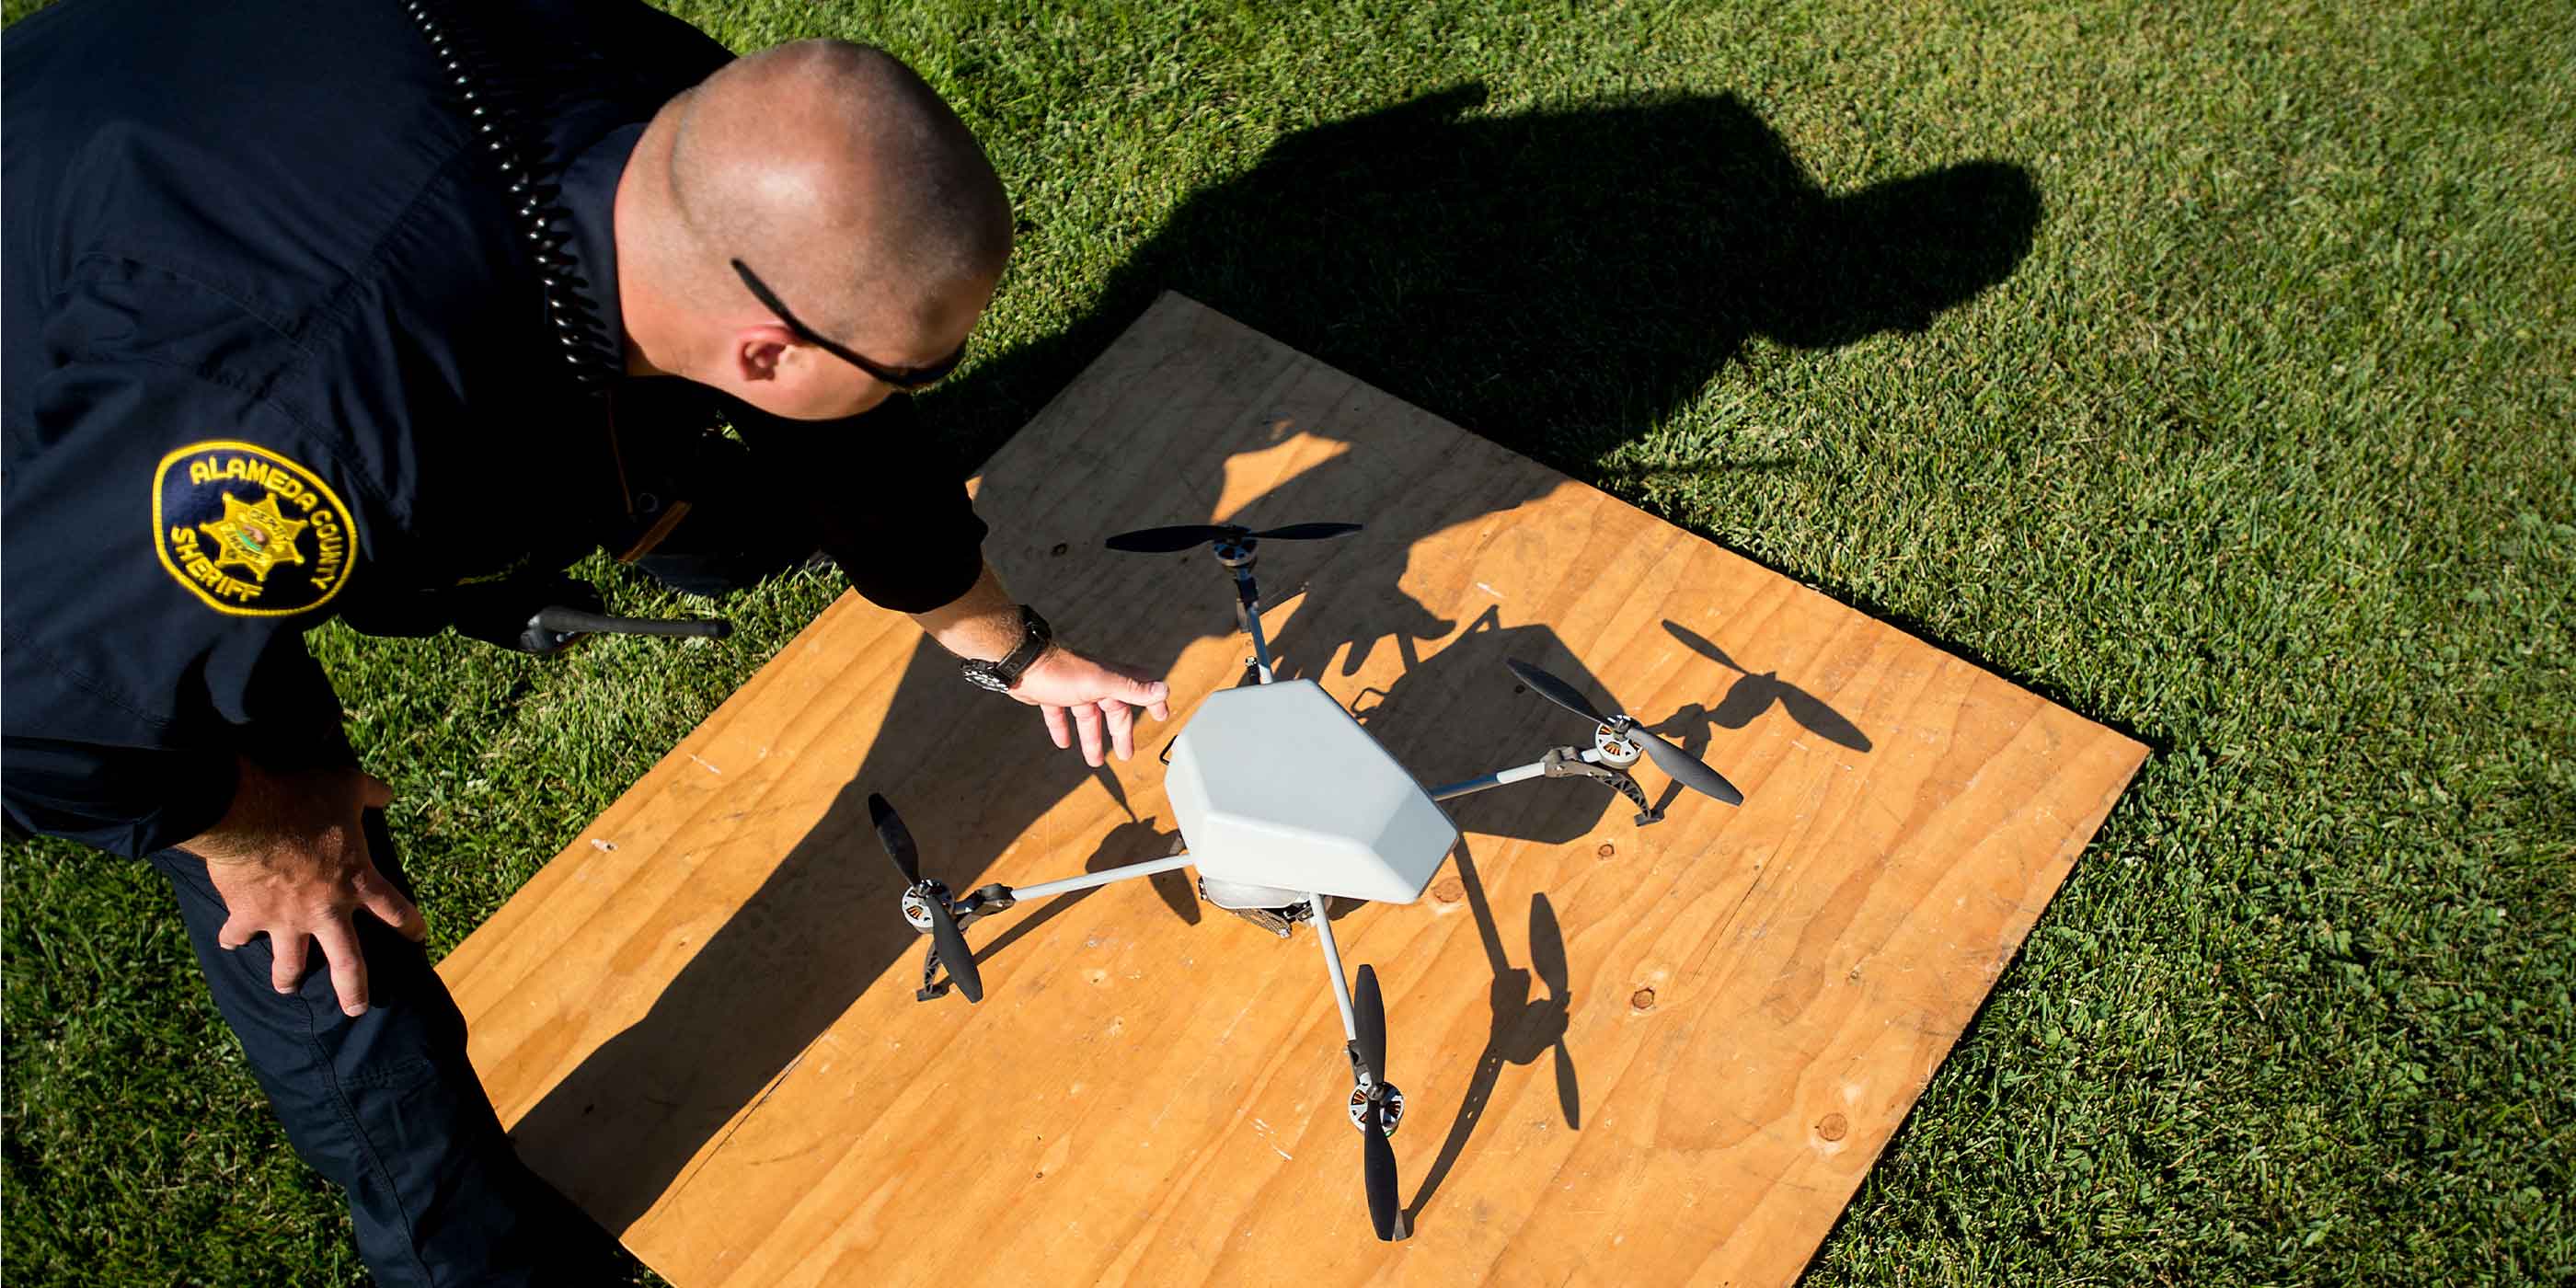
{"x":1632,"y":1055}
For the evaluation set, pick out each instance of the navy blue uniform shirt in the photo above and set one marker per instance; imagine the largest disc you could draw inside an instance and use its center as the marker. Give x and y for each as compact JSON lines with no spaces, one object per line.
{"x":275,"y":351}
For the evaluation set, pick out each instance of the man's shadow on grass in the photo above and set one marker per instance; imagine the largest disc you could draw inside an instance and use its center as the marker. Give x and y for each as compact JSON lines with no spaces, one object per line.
{"x":1556,"y":280}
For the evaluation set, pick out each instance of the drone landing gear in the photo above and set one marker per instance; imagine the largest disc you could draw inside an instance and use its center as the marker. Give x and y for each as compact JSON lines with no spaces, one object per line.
{"x":1568,"y":762}
{"x":916,"y":909}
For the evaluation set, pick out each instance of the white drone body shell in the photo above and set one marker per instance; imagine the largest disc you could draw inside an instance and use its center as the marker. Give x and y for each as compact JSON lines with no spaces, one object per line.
{"x":1278,"y":791}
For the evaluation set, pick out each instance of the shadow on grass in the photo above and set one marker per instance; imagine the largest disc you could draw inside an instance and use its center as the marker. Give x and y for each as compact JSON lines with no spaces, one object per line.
{"x":1556,"y":280}
{"x":1552,"y":280}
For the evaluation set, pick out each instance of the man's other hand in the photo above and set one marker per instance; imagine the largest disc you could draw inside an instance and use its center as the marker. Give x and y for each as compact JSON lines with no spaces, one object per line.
{"x":290,"y":861}
{"x":1082,"y":696}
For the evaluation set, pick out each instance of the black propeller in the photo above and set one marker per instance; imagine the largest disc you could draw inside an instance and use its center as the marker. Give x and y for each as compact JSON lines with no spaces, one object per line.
{"x":896,"y":838}
{"x":1377,"y":1156}
{"x":944,"y":933}
{"x":1157,"y":541}
{"x":1685,"y":768}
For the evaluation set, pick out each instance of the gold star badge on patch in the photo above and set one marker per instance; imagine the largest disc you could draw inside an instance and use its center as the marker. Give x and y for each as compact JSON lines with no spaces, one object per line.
{"x":255,"y":536}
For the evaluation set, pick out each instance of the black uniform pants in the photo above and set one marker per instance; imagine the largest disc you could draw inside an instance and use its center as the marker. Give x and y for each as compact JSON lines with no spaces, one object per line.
{"x":386,"y":1107}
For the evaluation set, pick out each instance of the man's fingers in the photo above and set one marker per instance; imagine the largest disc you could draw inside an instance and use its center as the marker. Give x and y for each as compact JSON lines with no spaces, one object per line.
{"x":1153,"y":695}
{"x":1122,"y":727}
{"x":1087,"y":718}
{"x":1094,"y":693}
{"x":377,"y":895}
{"x":286,"y":966}
{"x":339,"y":941}
{"x":233,"y":933}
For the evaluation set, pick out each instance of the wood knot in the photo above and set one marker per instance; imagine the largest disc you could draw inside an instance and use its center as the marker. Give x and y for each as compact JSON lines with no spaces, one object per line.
{"x":1643,"y":999}
{"x":1607,"y":850}
{"x":1449,"y":891}
{"x":1833,"y":1127}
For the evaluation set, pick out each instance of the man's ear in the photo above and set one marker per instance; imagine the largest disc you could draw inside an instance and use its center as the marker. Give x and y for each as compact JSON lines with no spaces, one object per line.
{"x":758,"y":352}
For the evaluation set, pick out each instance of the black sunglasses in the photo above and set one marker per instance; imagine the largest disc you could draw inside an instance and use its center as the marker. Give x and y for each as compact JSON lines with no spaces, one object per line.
{"x":899,"y":377}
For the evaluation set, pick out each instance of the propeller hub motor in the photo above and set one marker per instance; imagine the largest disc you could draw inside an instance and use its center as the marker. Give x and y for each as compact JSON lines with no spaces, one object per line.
{"x":1237,"y":553}
{"x":1389,"y":1114}
{"x":916,"y":903}
{"x":1618,"y":747}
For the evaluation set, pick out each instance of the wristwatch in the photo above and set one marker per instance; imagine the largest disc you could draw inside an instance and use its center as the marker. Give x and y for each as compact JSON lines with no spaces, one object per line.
{"x":1003,"y":675}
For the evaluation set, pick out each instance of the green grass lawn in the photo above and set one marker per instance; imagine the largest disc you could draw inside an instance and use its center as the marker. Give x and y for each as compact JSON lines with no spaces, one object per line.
{"x":2256,"y":442}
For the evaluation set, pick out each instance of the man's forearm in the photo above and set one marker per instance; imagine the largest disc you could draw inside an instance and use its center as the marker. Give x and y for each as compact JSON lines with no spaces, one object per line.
{"x":271,"y":810}
{"x":124,"y":800}
{"x":1095,"y":701}
{"x":982,"y":625}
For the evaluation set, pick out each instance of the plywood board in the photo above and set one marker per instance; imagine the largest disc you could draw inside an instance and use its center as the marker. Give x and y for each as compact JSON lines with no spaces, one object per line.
{"x":699,"y":1018}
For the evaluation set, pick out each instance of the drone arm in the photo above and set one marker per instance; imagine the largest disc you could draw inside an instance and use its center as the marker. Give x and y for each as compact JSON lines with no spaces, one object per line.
{"x":990,"y":899}
{"x":1248,"y":596}
{"x":1050,"y":889}
{"x":1333,"y":965}
{"x":1486,"y":782}
{"x":1544,"y":767}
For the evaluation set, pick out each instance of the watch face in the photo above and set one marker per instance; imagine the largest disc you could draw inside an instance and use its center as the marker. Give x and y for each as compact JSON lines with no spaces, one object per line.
{"x":980,"y":674}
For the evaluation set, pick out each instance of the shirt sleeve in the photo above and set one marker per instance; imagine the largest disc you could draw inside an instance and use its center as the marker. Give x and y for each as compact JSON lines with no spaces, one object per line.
{"x":165,"y":538}
{"x":882,"y":499}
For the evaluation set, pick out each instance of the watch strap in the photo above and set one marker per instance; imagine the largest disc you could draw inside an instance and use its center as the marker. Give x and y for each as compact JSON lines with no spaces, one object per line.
{"x":1005,"y":673}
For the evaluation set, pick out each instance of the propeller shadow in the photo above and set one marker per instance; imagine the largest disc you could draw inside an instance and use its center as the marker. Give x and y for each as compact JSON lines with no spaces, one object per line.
{"x":1755,"y":694}
{"x":1746,"y":701}
{"x":1524,"y":1027}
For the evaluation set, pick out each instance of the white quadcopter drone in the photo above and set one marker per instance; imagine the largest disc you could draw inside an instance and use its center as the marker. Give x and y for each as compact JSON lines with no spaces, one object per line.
{"x":1284,"y":803}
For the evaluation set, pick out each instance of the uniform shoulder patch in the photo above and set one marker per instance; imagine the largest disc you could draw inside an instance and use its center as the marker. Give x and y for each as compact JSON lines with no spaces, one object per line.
{"x":250,"y":532}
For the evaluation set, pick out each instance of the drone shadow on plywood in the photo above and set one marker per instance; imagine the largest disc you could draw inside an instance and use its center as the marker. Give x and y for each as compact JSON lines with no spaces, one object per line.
{"x":1525,"y":1028}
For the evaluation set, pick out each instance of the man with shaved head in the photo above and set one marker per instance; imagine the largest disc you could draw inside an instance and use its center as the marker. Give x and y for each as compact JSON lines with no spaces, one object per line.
{"x":390,"y":311}
{"x":850,"y":184}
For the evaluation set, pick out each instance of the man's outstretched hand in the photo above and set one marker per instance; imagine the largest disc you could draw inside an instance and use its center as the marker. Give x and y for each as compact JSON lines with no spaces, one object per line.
{"x":1081,"y":696}
{"x":290,"y":861}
